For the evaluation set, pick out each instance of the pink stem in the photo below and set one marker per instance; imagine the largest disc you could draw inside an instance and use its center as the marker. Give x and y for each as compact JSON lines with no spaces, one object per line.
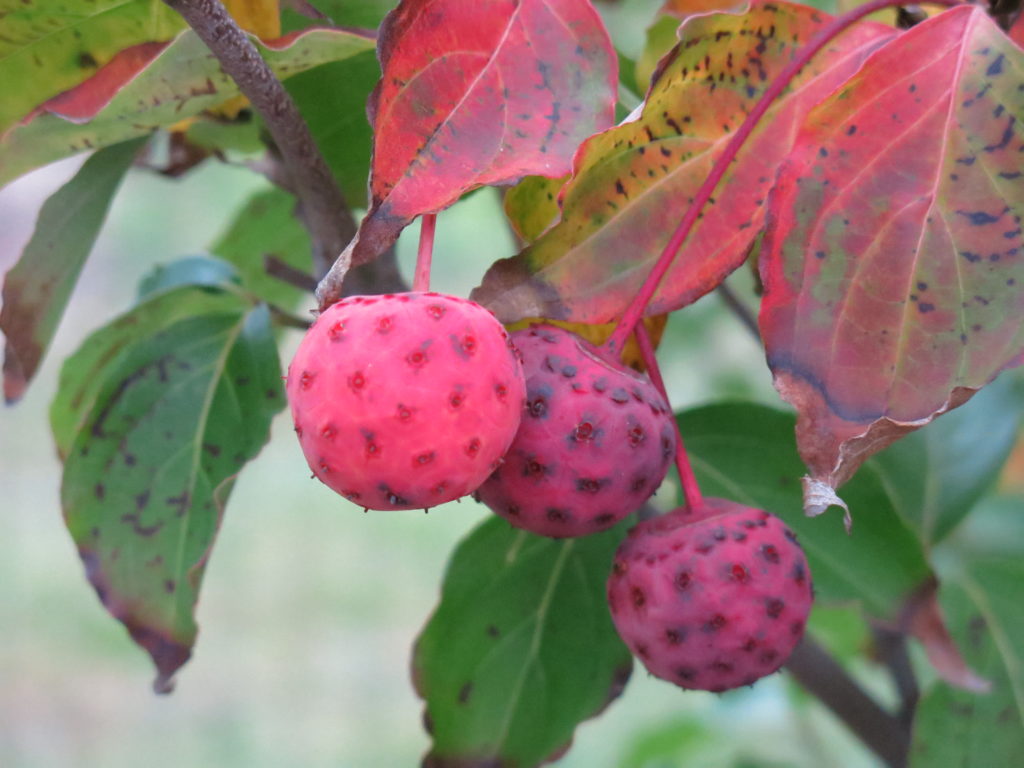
{"x":691,"y":491}
{"x":639,"y":304}
{"x":421,"y":279}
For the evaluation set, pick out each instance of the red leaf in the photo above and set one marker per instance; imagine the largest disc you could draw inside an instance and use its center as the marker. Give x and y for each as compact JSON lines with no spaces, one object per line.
{"x":892,"y":264}
{"x":479,"y":93}
{"x":631,"y":184}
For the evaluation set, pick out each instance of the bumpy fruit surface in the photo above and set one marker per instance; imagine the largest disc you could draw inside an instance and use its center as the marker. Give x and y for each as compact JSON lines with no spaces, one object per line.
{"x":595,"y":442}
{"x":405,"y":401}
{"x":711,"y":603}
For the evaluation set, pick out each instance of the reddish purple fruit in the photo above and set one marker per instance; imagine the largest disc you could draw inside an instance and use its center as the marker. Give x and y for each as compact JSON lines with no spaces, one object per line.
{"x":711,"y":603}
{"x":595,"y":442}
{"x":405,"y":401}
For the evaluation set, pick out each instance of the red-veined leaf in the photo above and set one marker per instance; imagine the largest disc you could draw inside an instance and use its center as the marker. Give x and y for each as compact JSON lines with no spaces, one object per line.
{"x":479,"y":93}
{"x":892,"y":264}
{"x":149,"y":86}
{"x":631,"y":184}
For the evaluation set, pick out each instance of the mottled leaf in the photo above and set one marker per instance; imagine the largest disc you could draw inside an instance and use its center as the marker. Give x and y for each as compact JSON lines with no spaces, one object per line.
{"x":48,"y":47}
{"x":531,"y":206}
{"x":479,"y":93}
{"x":521,"y":648}
{"x":936,"y":475}
{"x":155,"y":416}
{"x":893,"y":265}
{"x":747,"y":452}
{"x":37,"y":288}
{"x":631,"y":184}
{"x":267,"y":229}
{"x":981,"y":600}
{"x":149,"y":86}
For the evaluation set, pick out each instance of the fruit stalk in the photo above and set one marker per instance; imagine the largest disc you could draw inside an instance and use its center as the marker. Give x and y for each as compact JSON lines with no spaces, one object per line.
{"x":424,"y":256}
{"x":691,"y":490}
{"x":636,"y":308}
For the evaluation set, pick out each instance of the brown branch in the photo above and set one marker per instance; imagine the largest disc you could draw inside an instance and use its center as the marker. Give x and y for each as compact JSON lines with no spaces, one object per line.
{"x":741,"y":310}
{"x":824,"y":677}
{"x":322,"y":206}
{"x":286,"y":273}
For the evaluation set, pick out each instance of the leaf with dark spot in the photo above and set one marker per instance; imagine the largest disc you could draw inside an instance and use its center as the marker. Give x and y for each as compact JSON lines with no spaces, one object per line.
{"x":492,"y":696}
{"x":37,"y":288}
{"x":47,"y":48}
{"x":846,"y":344}
{"x":479,"y":93}
{"x":588,"y":266}
{"x":150,"y":86}
{"x":140,"y":408}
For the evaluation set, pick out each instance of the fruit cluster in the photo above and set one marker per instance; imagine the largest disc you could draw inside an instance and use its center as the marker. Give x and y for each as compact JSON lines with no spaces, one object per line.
{"x":411,"y":400}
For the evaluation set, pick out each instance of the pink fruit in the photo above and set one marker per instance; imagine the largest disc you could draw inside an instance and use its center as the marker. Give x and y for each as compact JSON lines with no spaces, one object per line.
{"x":595,"y":443}
{"x":711,"y":603}
{"x":405,"y":401}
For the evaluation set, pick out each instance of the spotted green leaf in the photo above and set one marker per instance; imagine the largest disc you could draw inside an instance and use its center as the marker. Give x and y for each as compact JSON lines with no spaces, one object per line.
{"x":48,"y":47}
{"x":521,"y":647}
{"x":149,"y":86}
{"x":155,"y":416}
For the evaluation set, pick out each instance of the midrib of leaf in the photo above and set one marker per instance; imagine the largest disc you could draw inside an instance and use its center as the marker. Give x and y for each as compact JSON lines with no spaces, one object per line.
{"x":218,"y":370}
{"x":542,"y":613}
{"x":1002,"y":642}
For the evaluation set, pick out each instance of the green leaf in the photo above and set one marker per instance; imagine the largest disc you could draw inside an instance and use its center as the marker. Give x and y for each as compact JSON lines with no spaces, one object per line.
{"x":191,"y":270}
{"x":521,"y":648}
{"x":150,"y":87}
{"x":967,"y":730}
{"x":531,"y":206}
{"x":36,"y":290}
{"x":48,"y":47}
{"x":156,"y":415}
{"x":747,"y":452}
{"x":935,"y":476}
{"x":267,"y":227}
{"x":332,"y":99}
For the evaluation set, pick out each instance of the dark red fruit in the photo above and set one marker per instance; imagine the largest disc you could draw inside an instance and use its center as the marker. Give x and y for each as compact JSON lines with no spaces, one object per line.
{"x":595,"y":442}
{"x":711,"y":602}
{"x":405,"y":401}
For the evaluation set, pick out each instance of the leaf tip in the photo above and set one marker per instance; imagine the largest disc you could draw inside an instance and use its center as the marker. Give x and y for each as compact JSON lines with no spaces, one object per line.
{"x":819,"y":496}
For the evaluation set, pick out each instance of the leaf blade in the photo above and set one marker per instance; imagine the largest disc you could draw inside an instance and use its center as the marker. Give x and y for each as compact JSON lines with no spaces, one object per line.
{"x":631,"y":183}
{"x":483,"y":662}
{"x":151,"y":86}
{"x":36,"y":290}
{"x":910,"y":296}
{"x":175,"y":415}
{"x":462,"y":98}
